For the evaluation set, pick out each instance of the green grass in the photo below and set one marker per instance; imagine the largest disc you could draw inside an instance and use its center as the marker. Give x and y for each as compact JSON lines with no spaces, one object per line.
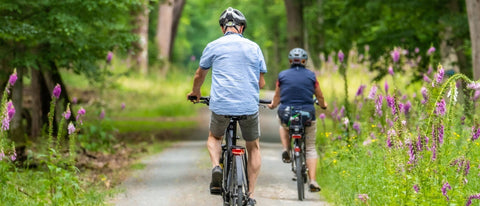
{"x":146,"y":126}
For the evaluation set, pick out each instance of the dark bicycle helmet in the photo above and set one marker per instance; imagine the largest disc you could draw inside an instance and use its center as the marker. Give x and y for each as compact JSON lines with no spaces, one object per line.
{"x":298,"y":56}
{"x":232,"y":17}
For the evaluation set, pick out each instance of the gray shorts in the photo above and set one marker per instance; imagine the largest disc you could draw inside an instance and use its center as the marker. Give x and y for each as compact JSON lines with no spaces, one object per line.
{"x":249,"y":127}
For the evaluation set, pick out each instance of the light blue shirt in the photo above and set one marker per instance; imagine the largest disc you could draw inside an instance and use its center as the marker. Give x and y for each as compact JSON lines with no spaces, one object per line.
{"x":236,"y":64}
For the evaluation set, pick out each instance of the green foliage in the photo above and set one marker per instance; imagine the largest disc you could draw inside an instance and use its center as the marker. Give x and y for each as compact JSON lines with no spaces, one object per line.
{"x":71,"y":34}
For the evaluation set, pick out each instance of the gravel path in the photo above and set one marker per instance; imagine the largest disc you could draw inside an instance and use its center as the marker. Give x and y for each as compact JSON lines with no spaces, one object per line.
{"x":180,"y":175}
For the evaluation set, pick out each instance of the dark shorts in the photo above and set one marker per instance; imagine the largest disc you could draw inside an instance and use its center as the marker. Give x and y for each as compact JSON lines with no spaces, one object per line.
{"x":249,"y":127}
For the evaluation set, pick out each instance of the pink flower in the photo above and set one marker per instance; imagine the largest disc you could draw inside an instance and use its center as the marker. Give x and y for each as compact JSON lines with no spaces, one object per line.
{"x":109,"y":57}
{"x":372,"y":93}
{"x":360,"y":90}
{"x":417,"y":50}
{"x":70,"y":128}
{"x":8,"y":115}
{"x":81,"y":111}
{"x":416,"y":188}
{"x":123,"y":106}
{"x":13,"y":78}
{"x":74,"y":100}
{"x":395,"y":56}
{"x":431,"y":50}
{"x":386,"y":87}
{"x":341,"y":56}
{"x":322,"y":116}
{"x":67,"y":114}
{"x":102,"y":114}
{"x":363,"y":197}
{"x":56,"y":91}
{"x":390,"y":70}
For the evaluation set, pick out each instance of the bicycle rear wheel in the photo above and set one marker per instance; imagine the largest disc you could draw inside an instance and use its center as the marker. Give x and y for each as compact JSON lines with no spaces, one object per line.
{"x":300,"y":179}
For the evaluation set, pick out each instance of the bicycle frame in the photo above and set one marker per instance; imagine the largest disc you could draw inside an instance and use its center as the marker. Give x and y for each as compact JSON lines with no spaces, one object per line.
{"x":297,"y":138}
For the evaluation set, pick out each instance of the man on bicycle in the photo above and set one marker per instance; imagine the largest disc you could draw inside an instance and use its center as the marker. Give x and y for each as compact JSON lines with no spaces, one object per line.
{"x":296,"y":87}
{"x":238,"y":67}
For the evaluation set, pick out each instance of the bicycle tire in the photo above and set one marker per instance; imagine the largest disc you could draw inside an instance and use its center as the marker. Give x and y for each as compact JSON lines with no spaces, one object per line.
{"x":300,"y":182}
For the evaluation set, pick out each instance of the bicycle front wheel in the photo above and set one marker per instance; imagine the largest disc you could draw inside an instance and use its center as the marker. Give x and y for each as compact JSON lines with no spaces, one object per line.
{"x":300,"y":179}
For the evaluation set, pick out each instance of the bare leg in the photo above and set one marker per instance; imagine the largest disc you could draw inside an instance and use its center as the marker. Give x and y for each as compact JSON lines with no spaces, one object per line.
{"x":284,"y":138}
{"x":312,"y":168}
{"x":254,"y":164}
{"x":214,"y":146}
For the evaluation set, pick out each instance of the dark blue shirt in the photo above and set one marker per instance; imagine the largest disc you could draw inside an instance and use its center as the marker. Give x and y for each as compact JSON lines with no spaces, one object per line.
{"x":297,"y":87}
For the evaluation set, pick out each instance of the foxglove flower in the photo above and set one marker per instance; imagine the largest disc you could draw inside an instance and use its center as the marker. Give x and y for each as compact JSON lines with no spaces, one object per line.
{"x":474,"y":85}
{"x":102,"y":114}
{"x":80,"y":113}
{"x":476,"y":95}
{"x":440,"y":133}
{"x":356,"y":127}
{"x":360,"y":90}
{"x":322,"y":116}
{"x":431,"y":50}
{"x":74,"y":100}
{"x":13,"y":78}
{"x":340,"y":56}
{"x":390,"y":70}
{"x":56,"y":91}
{"x":67,"y":113}
{"x":395,"y":56}
{"x":411,"y":153}
{"x":440,"y":74}
{"x":417,"y":50}
{"x":70,"y":128}
{"x":363,"y":197}
{"x":446,"y":187}
{"x":378,"y":105}
{"x":424,"y":94}
{"x":123,"y":106}
{"x":426,"y":79}
{"x":467,"y":168}
{"x":476,"y":196}
{"x":372,"y":93}
{"x":391,"y":104}
{"x":386,"y":87}
{"x":416,"y":188}
{"x":419,"y":143}
{"x":8,"y":115}
{"x":476,"y":134}
{"x":440,"y":110}
{"x":109,"y":57}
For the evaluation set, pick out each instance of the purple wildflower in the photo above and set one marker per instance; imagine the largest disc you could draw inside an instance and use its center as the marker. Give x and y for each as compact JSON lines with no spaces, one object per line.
{"x":10,"y":110}
{"x":123,"y":106}
{"x":390,"y":70}
{"x":14,"y":156}
{"x":476,"y":196}
{"x":356,"y":127}
{"x":8,"y":115}
{"x":431,"y":50}
{"x":2,"y":155}
{"x":419,"y":143}
{"x":434,"y":151}
{"x":440,"y":133}
{"x":360,"y":90}
{"x":109,"y":57}
{"x":80,"y":113}
{"x":426,"y":79}
{"x":416,"y":188}
{"x":444,"y":190}
{"x":378,"y":105}
{"x":341,"y":56}
{"x":395,"y":56}
{"x":363,"y":197}
{"x":417,"y":50}
{"x":440,"y":74}
{"x":475,"y":134}
{"x":67,"y":113}
{"x":474,"y":86}
{"x":440,"y":110}
{"x":71,"y":128}
{"x":476,"y":95}
{"x":467,"y":168}
{"x":74,"y":100}
{"x":322,"y":116}
{"x":386,"y":87}
{"x":406,"y":107}
{"x":411,"y":153}
{"x":391,"y":103}
{"x":424,"y":94}
{"x":56,"y":91}
{"x":102,"y":114}
{"x":390,"y":133}
{"x":13,"y":78}
{"x":372,"y":93}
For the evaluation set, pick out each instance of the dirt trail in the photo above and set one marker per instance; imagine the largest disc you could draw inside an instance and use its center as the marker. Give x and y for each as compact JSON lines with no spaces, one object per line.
{"x":180,"y":175}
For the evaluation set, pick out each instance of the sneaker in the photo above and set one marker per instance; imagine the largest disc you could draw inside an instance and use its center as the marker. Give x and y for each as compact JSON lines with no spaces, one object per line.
{"x":251,"y":202}
{"x":314,"y":187}
{"x":216,"y":184}
{"x":286,"y":157}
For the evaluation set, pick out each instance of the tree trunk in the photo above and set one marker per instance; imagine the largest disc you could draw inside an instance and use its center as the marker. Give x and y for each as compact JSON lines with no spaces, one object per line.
{"x":39,"y":109}
{"x":17,"y":129}
{"x":164,"y":29}
{"x":295,"y":35}
{"x":177,"y":13}
{"x":473,"y":10}
{"x":141,"y":22}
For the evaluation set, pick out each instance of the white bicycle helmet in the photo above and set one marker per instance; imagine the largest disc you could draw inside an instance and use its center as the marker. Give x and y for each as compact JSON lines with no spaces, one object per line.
{"x":232,"y":17}
{"x":298,"y":56}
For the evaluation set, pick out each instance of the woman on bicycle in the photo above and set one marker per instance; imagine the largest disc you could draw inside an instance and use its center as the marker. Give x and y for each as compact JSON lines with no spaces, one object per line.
{"x":296,"y":87}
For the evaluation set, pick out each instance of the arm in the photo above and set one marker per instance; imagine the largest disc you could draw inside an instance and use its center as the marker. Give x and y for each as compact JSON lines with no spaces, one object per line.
{"x":276,"y":98}
{"x":198,"y":80}
{"x":261,"y":81}
{"x":320,"y":98}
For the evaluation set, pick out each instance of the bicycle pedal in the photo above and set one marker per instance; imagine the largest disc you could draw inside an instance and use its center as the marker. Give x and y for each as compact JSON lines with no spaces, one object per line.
{"x":215,"y":191}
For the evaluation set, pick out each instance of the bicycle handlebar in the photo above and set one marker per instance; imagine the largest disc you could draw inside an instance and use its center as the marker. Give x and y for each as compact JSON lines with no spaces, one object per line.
{"x":206,"y":100}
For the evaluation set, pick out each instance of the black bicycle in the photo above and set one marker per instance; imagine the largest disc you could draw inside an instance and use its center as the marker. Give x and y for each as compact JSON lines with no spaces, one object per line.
{"x":297,"y":122}
{"x":233,"y":162}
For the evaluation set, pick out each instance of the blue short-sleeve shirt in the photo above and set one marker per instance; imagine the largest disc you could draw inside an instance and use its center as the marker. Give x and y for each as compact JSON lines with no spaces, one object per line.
{"x":297,"y":87}
{"x":236,"y":64}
